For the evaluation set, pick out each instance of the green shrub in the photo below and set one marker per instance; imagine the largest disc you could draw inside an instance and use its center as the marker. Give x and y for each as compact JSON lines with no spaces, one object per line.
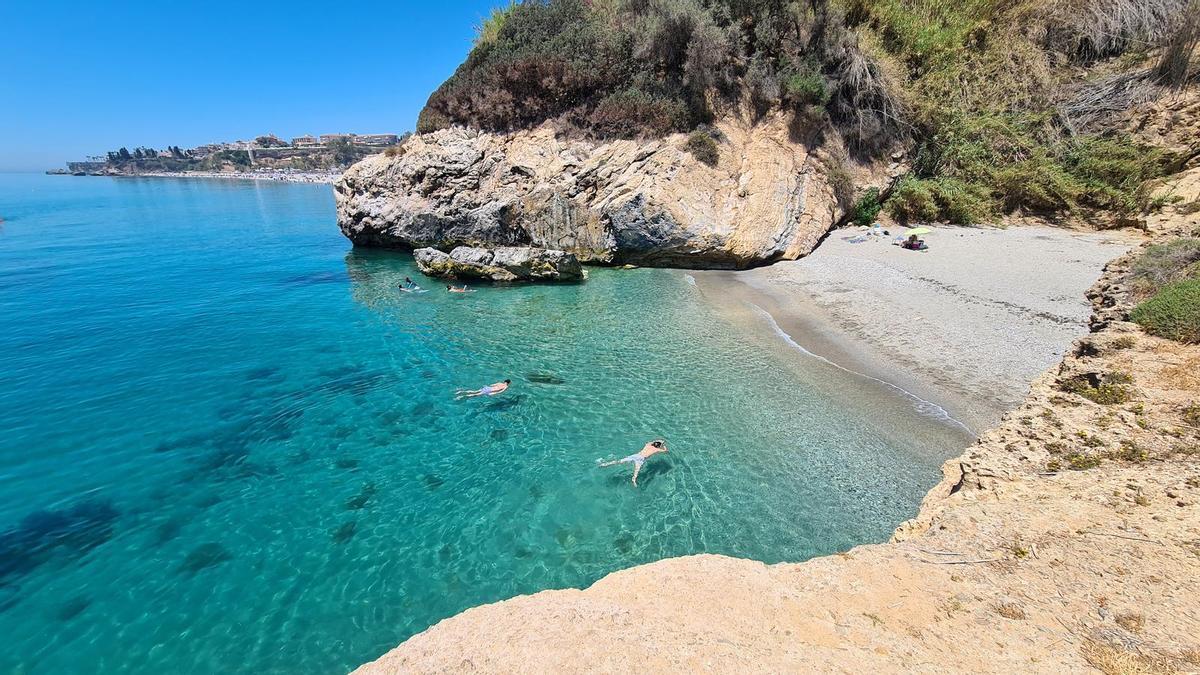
{"x":1163,"y":264}
{"x":703,"y":147}
{"x":940,"y":199}
{"x":1173,"y":313}
{"x":913,"y":201}
{"x":1103,"y":393}
{"x":807,"y":87}
{"x":1131,"y":452}
{"x":1110,"y":171}
{"x":488,"y":30}
{"x":1191,"y":415}
{"x":1039,"y":184}
{"x":632,"y":112}
{"x":867,"y":208}
{"x":1080,"y":462}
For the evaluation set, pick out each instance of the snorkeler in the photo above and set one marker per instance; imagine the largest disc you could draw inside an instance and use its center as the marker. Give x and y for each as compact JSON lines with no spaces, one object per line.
{"x":409,"y":285}
{"x":639,"y":458}
{"x":489,"y":390}
{"x":464,"y":289}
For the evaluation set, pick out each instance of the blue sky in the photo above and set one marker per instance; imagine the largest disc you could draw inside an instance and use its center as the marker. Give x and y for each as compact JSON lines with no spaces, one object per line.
{"x":80,"y":78}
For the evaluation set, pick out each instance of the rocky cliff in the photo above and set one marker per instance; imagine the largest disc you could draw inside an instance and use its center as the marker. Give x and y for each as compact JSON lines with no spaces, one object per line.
{"x":643,"y":202}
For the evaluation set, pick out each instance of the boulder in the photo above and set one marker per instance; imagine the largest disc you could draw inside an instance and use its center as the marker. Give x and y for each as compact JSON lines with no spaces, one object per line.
{"x":648,"y":202}
{"x":505,"y":263}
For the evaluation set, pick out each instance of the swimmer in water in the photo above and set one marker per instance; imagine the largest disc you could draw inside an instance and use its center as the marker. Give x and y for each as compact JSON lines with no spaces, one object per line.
{"x":490,"y":390}
{"x":464,"y":289}
{"x":639,"y":458}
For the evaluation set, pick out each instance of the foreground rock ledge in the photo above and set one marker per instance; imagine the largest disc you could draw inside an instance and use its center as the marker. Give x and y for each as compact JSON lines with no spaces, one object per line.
{"x":1007,"y":568}
{"x":644,"y":202}
{"x":500,"y":264}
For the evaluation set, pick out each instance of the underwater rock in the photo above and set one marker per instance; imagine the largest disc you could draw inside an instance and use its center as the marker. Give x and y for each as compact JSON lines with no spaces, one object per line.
{"x":204,"y":556}
{"x":73,"y":608}
{"x":544,"y":377}
{"x":360,"y":500}
{"x":169,"y":529}
{"x":39,"y":536}
{"x":344,"y":533}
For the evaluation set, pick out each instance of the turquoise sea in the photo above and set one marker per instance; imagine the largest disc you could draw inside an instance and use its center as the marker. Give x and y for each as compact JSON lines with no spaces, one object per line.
{"x":229,"y":444}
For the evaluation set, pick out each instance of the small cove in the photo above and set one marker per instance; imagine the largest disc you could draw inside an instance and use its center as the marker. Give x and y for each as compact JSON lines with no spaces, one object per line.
{"x":231,"y":444}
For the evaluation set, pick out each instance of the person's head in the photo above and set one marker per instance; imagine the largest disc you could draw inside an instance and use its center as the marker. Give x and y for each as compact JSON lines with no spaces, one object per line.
{"x":407,"y":280}
{"x":508,"y":382}
{"x":912,"y":238}
{"x":449,"y":287}
{"x":660,"y":444}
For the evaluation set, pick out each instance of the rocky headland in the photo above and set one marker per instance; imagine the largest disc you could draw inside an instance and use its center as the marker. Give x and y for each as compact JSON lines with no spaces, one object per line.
{"x":646,"y":202}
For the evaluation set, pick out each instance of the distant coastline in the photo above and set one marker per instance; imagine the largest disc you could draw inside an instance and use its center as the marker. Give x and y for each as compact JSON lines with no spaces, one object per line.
{"x":325,"y":177}
{"x":304,"y":159}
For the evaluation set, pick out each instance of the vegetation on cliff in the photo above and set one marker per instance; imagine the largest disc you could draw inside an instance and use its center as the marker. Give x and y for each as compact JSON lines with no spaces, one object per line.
{"x":985,"y":93}
{"x":1169,"y":274}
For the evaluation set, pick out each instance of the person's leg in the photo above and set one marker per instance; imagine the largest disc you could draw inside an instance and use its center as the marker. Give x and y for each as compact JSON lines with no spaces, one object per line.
{"x":623,"y":460}
{"x":637,"y":468}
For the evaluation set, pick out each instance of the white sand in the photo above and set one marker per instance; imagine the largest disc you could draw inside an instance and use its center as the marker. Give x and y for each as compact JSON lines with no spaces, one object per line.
{"x":967,"y":324}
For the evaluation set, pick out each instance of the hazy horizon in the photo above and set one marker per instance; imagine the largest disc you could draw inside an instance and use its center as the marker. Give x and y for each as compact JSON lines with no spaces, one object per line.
{"x":80,"y":79}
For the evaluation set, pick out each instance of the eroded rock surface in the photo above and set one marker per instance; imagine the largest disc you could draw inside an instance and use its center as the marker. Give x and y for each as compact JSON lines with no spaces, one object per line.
{"x":626,"y":201}
{"x":505,"y":263}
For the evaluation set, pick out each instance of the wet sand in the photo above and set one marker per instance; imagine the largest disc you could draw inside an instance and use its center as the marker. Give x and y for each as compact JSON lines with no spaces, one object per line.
{"x":960,"y":329}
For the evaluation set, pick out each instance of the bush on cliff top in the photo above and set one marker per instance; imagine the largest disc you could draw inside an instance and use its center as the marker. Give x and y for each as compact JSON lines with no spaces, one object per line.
{"x":1173,"y":312}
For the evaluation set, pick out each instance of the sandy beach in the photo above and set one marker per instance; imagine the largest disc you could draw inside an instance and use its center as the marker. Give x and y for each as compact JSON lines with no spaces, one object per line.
{"x":964,"y":326}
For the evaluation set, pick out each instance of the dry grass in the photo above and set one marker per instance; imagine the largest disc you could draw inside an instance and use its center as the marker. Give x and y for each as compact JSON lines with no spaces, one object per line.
{"x":1175,"y":64}
{"x":1184,"y":376}
{"x":1111,"y":660}
{"x":1091,"y":29}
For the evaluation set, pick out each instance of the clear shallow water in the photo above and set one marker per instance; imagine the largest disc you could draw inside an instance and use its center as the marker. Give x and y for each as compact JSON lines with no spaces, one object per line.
{"x":229,"y":444}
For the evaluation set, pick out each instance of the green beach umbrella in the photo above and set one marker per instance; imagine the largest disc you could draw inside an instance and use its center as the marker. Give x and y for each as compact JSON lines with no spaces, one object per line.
{"x":917,"y":230}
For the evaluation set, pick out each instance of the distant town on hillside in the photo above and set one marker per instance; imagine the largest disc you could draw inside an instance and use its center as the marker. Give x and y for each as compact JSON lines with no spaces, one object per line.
{"x":327,"y":152}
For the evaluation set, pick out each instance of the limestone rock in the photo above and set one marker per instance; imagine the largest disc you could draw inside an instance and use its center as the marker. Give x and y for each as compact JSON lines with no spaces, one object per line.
{"x":505,"y":263}
{"x":625,"y":201}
